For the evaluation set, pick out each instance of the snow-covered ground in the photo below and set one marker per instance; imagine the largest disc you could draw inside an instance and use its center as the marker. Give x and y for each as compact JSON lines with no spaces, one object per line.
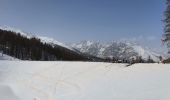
{"x":6,"y":57}
{"x":32,"y":80}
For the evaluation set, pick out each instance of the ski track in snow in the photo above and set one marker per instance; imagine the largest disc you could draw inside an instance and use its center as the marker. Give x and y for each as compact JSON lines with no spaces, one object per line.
{"x":85,"y":80}
{"x":58,"y":82}
{"x":31,"y":80}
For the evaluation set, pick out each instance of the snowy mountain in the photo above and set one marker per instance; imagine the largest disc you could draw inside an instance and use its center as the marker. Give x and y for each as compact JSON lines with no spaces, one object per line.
{"x":27,"y":46}
{"x":117,"y":49}
{"x":43,"y":39}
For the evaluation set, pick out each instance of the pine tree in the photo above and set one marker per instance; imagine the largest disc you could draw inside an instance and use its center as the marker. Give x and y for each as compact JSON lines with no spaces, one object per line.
{"x":166,"y":36}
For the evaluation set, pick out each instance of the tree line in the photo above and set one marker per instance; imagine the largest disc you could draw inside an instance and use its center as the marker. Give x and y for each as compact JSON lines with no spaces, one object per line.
{"x":16,"y":45}
{"x":21,"y":47}
{"x":166,"y":36}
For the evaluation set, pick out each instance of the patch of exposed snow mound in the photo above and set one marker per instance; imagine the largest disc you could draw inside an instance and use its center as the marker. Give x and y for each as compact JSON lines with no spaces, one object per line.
{"x":6,"y":57}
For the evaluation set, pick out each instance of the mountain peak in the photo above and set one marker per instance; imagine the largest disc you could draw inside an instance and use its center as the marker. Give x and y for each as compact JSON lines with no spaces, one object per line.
{"x":117,"y":49}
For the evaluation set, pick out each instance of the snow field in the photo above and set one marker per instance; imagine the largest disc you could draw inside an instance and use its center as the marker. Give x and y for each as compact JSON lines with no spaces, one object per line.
{"x":36,"y":80}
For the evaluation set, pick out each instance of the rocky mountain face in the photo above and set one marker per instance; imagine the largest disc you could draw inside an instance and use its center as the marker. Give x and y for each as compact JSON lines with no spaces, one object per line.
{"x":116,"y":49}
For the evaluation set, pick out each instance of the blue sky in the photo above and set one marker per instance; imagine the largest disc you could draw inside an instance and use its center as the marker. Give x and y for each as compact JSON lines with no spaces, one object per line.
{"x":76,"y":20}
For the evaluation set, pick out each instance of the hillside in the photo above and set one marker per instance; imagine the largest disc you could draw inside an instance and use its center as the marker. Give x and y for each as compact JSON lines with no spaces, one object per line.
{"x":43,"y":39}
{"x":29,"y":47}
{"x":24,"y":80}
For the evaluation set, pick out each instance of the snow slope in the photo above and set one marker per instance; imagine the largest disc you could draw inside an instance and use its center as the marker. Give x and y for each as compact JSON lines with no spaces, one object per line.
{"x":24,"y":80}
{"x":43,"y":39}
{"x":6,"y":93}
{"x":7,"y":28}
{"x":6,"y":57}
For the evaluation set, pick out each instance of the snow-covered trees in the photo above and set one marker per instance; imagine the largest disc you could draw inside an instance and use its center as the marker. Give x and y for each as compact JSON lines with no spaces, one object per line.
{"x":166,"y":36}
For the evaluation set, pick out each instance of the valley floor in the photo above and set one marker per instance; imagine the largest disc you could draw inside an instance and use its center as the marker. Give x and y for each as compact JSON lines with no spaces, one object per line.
{"x":36,"y":80}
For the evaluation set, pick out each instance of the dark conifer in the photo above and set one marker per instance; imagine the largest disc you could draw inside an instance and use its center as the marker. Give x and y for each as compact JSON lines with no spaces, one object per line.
{"x":166,"y":36}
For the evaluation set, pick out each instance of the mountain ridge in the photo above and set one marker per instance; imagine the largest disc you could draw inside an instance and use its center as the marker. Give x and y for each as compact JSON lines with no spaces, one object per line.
{"x":25,"y":46}
{"x":116,"y":49}
{"x":121,"y":49}
{"x":29,"y":35}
